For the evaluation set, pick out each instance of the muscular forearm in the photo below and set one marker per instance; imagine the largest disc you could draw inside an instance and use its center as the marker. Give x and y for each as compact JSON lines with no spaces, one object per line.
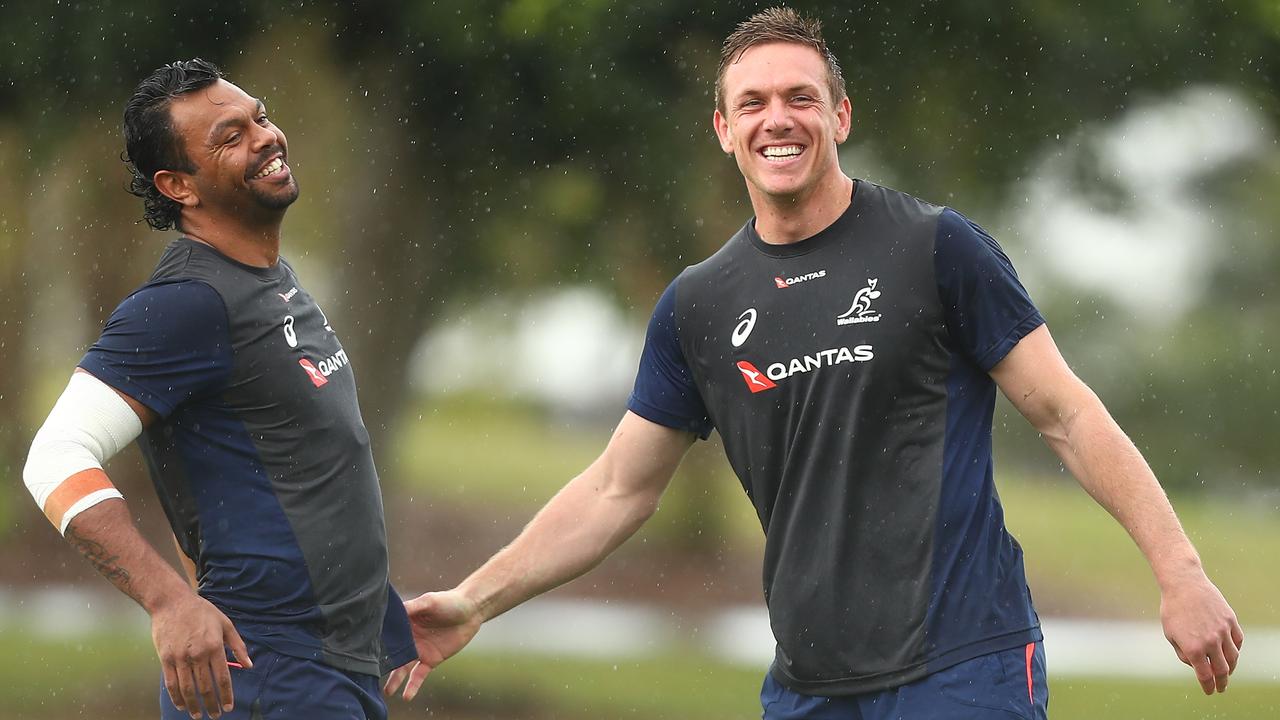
{"x":579,"y":527}
{"x":573,"y":533}
{"x":107,"y":537}
{"x":1196,"y":617}
{"x":586,"y":520}
{"x":1112,"y":470}
{"x":191,"y":635}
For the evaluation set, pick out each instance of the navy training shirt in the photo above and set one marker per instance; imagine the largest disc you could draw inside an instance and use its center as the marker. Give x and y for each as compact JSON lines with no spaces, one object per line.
{"x":260,"y":457}
{"x":847,"y":375}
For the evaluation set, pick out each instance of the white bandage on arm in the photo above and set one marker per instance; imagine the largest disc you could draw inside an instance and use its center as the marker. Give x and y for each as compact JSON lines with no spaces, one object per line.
{"x":89,"y":424}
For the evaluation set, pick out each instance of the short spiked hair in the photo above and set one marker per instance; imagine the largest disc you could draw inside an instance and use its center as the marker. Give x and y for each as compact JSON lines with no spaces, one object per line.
{"x":784,"y":25}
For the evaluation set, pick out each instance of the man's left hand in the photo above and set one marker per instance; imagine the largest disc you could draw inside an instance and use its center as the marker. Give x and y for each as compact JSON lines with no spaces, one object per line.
{"x":1203,"y":630}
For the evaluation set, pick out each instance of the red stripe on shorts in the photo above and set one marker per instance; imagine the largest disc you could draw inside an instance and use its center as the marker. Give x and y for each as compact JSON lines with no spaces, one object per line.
{"x":1031,"y":651}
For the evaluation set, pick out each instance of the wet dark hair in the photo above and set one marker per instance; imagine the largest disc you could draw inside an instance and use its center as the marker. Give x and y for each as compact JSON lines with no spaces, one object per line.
{"x":778,"y":24}
{"x":150,"y":143}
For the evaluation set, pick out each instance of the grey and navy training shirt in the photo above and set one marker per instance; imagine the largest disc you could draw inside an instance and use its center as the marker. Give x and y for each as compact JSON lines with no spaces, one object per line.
{"x":260,"y":457}
{"x":847,"y":375}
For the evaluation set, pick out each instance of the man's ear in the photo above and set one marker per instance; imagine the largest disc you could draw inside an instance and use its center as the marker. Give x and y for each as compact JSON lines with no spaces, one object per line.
{"x":844,"y":120}
{"x":177,"y":187}
{"x":723,"y":133}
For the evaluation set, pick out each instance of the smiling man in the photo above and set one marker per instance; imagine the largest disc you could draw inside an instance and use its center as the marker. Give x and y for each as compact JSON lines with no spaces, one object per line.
{"x":246,"y":406}
{"x":847,"y":344}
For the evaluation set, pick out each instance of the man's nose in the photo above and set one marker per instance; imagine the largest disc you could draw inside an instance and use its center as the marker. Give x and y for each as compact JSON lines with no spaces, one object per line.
{"x":778,"y":117}
{"x":264,"y":137}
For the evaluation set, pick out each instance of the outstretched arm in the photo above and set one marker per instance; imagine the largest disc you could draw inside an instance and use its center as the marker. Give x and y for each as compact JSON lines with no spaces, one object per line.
{"x":89,"y":424}
{"x":1197,"y":620}
{"x":590,"y":517}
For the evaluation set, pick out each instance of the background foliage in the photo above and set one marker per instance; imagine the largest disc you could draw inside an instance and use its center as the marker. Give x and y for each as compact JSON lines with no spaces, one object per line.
{"x":448,"y":149}
{"x":453,"y":151}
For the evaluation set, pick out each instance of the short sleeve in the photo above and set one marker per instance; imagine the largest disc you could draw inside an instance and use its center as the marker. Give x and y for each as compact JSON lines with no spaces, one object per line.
{"x":986,"y":307}
{"x":397,"y":634}
{"x":664,"y":391}
{"x":164,"y":344}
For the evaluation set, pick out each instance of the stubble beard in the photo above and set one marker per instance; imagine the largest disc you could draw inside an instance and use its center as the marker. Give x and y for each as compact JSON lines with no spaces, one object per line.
{"x":276,"y":200}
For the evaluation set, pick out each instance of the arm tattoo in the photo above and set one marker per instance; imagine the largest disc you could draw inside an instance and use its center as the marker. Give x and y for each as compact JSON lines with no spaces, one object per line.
{"x":103,"y":561}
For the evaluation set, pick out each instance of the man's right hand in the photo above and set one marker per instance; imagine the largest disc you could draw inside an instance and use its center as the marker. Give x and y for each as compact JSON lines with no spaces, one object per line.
{"x":191,"y":637}
{"x":443,"y":623}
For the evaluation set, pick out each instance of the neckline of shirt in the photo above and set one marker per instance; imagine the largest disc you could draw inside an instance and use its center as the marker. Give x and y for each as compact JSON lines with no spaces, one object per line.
{"x":274,"y":272}
{"x":819,"y":239}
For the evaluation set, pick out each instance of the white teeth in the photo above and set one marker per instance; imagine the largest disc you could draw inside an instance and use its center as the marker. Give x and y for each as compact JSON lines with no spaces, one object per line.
{"x":271,"y":167}
{"x":781,"y":152}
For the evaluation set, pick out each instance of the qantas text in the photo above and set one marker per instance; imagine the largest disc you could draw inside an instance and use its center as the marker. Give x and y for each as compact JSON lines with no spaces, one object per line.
{"x":823,"y":358}
{"x":798,"y":279}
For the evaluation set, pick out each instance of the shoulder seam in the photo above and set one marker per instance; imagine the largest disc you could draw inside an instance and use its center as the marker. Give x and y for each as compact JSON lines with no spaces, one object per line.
{"x":226,"y":318}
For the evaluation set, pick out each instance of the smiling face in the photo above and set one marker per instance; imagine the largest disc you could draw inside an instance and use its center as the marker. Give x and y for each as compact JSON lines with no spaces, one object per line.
{"x":780,"y":122}
{"x":239,"y":157}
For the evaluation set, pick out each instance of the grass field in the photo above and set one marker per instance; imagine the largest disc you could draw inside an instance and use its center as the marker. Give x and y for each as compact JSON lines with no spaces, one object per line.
{"x":509,"y":460}
{"x":1080,"y":562}
{"x":108,"y":674}
{"x":115,"y":676}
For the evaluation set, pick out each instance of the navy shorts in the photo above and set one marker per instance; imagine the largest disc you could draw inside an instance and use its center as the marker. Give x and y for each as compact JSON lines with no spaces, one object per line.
{"x":282,"y":687}
{"x":1008,"y":684}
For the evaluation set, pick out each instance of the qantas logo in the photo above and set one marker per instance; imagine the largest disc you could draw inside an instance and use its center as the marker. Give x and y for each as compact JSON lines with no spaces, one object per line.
{"x":779,"y":371}
{"x":756,"y":381}
{"x":317,"y":378}
{"x":287,"y":296}
{"x":320,"y":373}
{"x":780,"y":283}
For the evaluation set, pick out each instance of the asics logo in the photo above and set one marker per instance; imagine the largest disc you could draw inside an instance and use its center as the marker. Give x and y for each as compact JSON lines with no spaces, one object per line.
{"x":743,"y":329}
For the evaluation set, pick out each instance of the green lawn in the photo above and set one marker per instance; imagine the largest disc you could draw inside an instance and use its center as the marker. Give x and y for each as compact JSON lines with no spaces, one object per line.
{"x":1081,"y":562}
{"x":110,"y":675}
{"x":107,"y":674}
{"x":1103,"y":699}
{"x":480,"y":453}
{"x":500,"y":458}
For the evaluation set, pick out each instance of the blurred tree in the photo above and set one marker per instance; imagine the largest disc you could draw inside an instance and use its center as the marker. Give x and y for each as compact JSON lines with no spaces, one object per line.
{"x":447,"y":148}
{"x":17,"y":296}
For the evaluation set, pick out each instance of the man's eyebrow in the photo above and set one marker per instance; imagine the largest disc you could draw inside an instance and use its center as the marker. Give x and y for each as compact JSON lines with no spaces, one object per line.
{"x":229,"y":122}
{"x":804,"y":87}
{"x":752,"y":92}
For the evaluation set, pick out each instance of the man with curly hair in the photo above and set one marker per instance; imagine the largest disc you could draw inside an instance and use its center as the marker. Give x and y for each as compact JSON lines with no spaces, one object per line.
{"x":244,"y":403}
